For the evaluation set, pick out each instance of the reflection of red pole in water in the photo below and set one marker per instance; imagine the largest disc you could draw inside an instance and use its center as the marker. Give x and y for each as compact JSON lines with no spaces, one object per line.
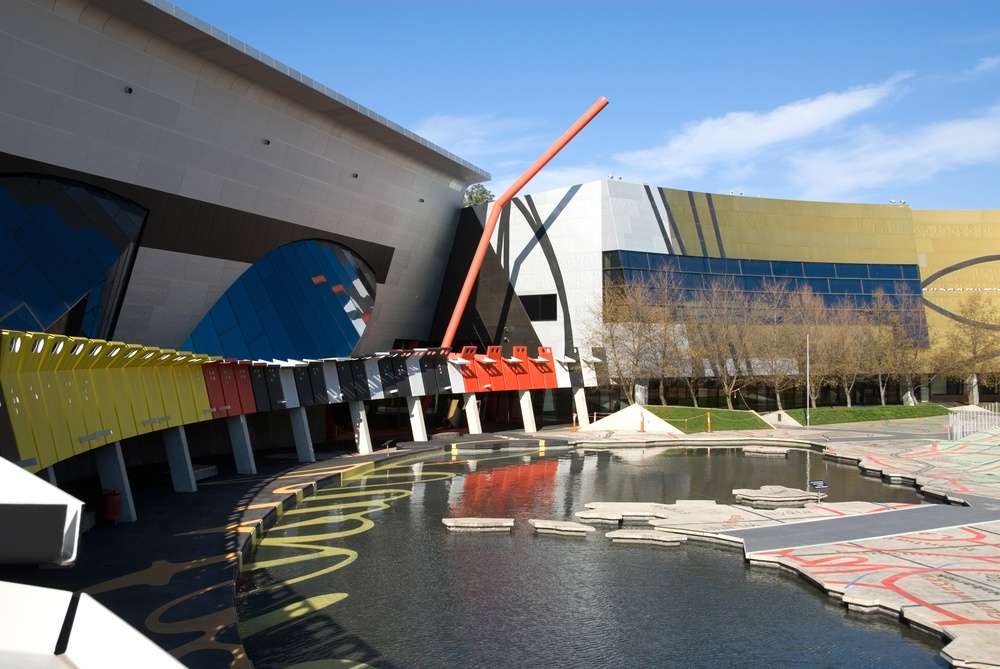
{"x":491,"y":220}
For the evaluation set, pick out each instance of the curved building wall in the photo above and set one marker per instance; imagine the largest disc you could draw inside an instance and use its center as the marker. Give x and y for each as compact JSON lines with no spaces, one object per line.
{"x":232,"y":153}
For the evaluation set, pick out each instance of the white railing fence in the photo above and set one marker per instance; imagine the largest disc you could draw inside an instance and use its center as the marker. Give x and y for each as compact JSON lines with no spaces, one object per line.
{"x":964,"y":423}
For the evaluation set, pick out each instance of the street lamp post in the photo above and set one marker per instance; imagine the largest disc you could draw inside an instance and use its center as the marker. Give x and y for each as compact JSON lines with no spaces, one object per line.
{"x":807,"y":380}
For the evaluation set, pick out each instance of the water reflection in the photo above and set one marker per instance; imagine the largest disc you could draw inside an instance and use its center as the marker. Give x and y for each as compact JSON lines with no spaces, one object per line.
{"x":417,"y":596}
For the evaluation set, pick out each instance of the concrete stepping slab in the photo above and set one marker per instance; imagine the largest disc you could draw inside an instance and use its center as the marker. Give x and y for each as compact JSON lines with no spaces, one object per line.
{"x":478,"y":524}
{"x":621,"y":512}
{"x":654,"y":537}
{"x":775,"y":496}
{"x":560,"y":527}
{"x":765,"y":451}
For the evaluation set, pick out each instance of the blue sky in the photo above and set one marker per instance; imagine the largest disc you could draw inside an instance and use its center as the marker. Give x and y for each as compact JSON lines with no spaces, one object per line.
{"x":844,"y":101}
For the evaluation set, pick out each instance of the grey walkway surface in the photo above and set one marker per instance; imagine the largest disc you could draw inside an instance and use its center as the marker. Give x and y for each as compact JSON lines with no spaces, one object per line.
{"x":924,"y":518}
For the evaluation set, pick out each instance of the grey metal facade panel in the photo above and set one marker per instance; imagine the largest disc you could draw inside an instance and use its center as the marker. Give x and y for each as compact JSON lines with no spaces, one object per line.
{"x":317,"y":382}
{"x":258,"y":381}
{"x":275,"y":387}
{"x":303,"y":385}
{"x":429,"y":374}
{"x":347,"y":386}
{"x":399,"y":370}
{"x":196,"y":36}
{"x":190,"y":134}
{"x":387,"y":375}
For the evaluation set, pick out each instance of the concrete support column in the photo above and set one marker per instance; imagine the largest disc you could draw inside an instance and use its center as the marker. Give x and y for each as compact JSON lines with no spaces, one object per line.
{"x":416,"y":407}
{"x":641,"y":394}
{"x":239,"y":436}
{"x":527,"y":410}
{"x":362,"y":435}
{"x":113,"y":475}
{"x":179,"y":459}
{"x":580,"y":404}
{"x":303,"y":437}
{"x":49,"y":474}
{"x":472,"y":413}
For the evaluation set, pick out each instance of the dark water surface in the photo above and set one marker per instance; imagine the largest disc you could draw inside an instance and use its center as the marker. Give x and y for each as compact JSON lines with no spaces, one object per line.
{"x":367,"y":575}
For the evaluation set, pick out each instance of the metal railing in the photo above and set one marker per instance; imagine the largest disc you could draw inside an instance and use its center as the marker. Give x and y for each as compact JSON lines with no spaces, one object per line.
{"x":963,"y":423}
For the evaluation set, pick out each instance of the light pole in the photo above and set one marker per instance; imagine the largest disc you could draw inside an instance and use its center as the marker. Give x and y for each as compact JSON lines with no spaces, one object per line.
{"x":807,"y":379}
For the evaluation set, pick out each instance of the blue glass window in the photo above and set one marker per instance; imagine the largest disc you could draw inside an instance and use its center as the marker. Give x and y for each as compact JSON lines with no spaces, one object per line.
{"x":307,"y":299}
{"x":819,"y":269}
{"x":785,"y":268}
{"x":851,"y":271}
{"x":885,"y":271}
{"x":64,"y":247}
{"x":756,"y":267}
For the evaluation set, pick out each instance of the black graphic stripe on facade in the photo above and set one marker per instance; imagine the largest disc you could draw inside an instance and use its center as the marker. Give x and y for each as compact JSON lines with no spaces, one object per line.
{"x":659,"y":219}
{"x":961,"y":319}
{"x":715,"y":225}
{"x":672,"y":221}
{"x":530,"y":213}
{"x":697,"y":224}
{"x":957,"y":266}
{"x":503,"y":239}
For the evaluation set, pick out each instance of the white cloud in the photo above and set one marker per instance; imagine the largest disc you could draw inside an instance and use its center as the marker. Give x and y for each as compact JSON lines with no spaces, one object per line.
{"x":477,"y":136}
{"x":878,"y":159}
{"x":985,"y":65}
{"x":548,"y":179}
{"x":739,"y":137}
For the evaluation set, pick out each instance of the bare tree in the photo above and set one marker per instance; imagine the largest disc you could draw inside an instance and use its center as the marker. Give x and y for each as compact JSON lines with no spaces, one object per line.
{"x":773,"y":340}
{"x":621,"y":326}
{"x":810,"y":314}
{"x":844,"y":348}
{"x":670,"y":343}
{"x":973,"y":342}
{"x":719,"y":328}
{"x":879,"y":341}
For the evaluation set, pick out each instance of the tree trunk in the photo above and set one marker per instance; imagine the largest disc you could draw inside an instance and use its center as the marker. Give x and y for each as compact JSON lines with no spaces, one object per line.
{"x":777,"y":397}
{"x":847,"y":392}
{"x":729,"y":401}
{"x":692,"y":391}
{"x":663,"y":394}
{"x":882,"y":383}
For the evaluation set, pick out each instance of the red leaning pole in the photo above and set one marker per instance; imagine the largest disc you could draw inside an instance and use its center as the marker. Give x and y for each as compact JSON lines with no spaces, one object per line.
{"x":491,"y":220}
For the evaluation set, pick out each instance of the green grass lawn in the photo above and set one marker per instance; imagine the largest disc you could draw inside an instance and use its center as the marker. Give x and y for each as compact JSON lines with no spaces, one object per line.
{"x":690,"y":420}
{"x":831,"y":415}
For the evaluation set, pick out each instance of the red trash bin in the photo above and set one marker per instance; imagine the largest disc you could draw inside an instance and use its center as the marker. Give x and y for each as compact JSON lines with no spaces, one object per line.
{"x":112,"y":505}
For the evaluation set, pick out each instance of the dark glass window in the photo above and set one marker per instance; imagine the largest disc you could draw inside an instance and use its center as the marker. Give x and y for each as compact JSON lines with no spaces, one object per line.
{"x":819,"y":269}
{"x":540,"y":307}
{"x":845,"y":286}
{"x":785,"y":268}
{"x":635,"y":260}
{"x":693,"y":264}
{"x":612,"y":259}
{"x":756,"y":267}
{"x":851,"y":271}
{"x":724,"y":266}
{"x":885,"y":271}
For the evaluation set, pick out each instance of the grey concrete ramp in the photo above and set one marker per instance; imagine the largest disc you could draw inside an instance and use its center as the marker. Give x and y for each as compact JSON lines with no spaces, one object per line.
{"x":912,"y":520}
